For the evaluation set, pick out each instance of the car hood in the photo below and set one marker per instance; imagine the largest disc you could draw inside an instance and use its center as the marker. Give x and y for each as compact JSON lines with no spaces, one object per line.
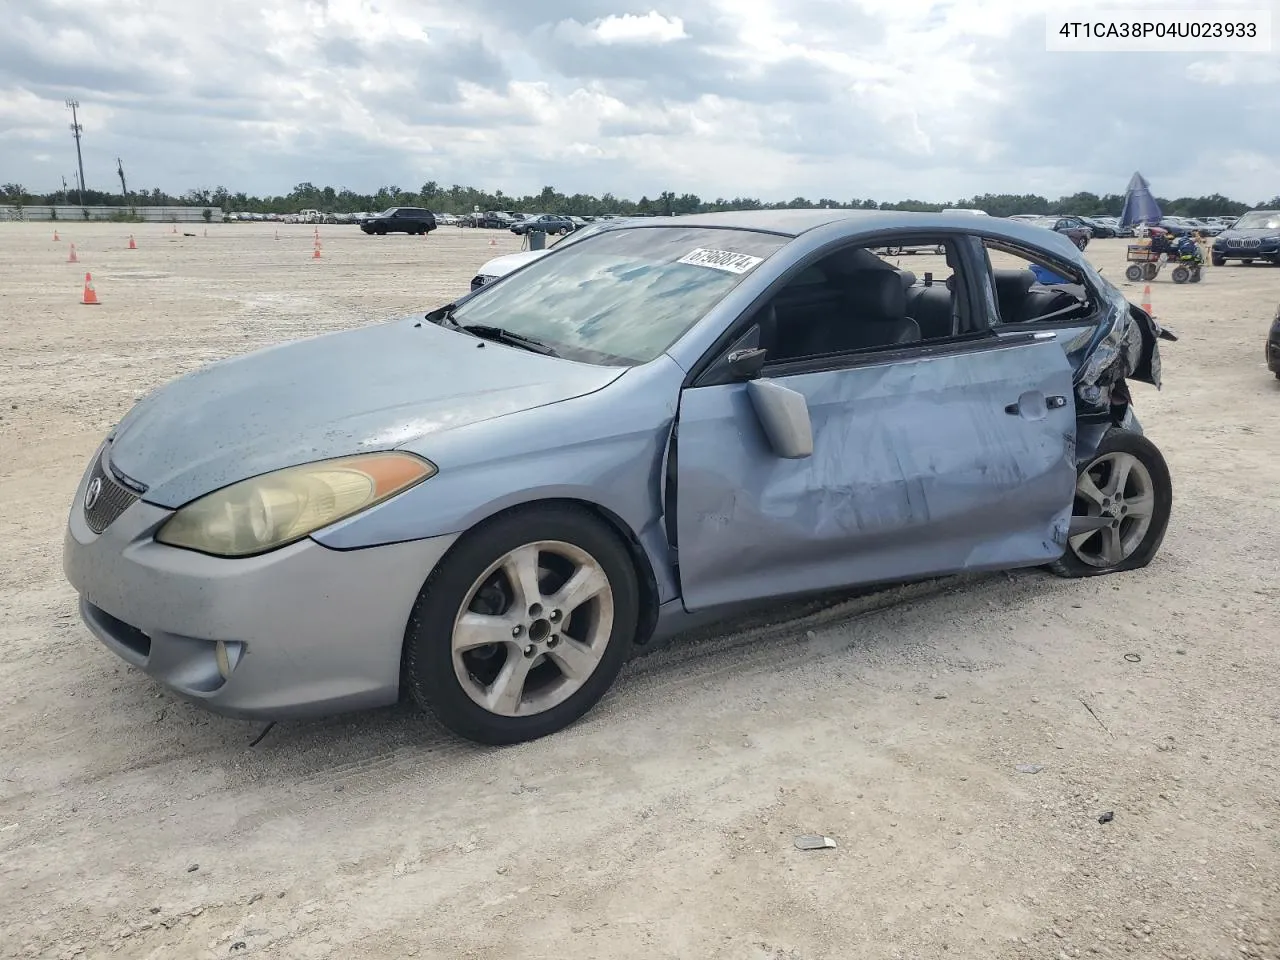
{"x":373,"y":388}
{"x":501,"y":266}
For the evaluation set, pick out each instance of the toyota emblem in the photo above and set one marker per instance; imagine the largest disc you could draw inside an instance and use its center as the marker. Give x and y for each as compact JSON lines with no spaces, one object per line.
{"x":92,"y":493}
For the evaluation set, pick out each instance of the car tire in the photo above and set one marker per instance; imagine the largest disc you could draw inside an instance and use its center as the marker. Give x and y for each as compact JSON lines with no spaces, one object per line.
{"x":1247,"y":262}
{"x":1133,"y":273}
{"x":1082,"y":242}
{"x":532,"y":639}
{"x":1125,"y":544}
{"x":1216,"y":260}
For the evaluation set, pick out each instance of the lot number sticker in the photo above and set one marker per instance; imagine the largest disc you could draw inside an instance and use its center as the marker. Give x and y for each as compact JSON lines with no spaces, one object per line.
{"x":721,"y":260}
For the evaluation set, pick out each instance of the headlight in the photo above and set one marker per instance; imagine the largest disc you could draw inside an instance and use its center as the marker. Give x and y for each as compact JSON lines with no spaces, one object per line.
{"x":1271,"y":239}
{"x":276,"y":509}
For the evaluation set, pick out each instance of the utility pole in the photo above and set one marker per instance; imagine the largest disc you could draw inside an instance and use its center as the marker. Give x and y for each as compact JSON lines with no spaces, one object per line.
{"x":124,"y":188}
{"x":76,"y":130}
{"x":65,"y":197}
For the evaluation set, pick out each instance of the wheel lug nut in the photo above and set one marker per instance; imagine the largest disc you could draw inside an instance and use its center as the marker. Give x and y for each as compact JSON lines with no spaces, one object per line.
{"x":555,"y":615}
{"x":552,"y":640}
{"x":517,"y":630}
{"x":530,"y":650}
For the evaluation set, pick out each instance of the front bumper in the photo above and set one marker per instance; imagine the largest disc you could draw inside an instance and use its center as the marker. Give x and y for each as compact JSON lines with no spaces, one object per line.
{"x":1245,"y":250}
{"x":307,"y":630}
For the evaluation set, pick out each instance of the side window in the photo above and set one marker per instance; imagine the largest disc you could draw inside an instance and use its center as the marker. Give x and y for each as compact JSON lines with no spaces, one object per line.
{"x":864,"y":298}
{"x":1032,"y":289}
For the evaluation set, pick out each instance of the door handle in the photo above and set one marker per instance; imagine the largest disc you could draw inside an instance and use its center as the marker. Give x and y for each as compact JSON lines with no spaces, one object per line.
{"x":1028,"y":403}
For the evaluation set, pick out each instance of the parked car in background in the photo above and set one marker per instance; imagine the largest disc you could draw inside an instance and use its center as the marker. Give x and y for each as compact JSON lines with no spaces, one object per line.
{"x":494,"y":220}
{"x":1070,"y":227}
{"x":548,"y":223}
{"x":400,"y":220}
{"x":492,"y":507}
{"x":1255,"y":236}
{"x":1101,"y":229}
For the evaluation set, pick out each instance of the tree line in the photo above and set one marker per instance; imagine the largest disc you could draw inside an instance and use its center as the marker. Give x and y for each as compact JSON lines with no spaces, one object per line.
{"x":458,"y":199}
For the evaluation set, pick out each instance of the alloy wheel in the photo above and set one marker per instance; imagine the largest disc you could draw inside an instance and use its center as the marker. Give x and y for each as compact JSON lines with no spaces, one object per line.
{"x":1116,"y":497}
{"x":532,"y":628}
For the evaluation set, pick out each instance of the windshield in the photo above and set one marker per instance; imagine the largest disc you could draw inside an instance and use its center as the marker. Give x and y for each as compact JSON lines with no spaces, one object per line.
{"x":621,"y":296}
{"x":1045,"y":221}
{"x":388,"y":212}
{"x":1259,"y":220}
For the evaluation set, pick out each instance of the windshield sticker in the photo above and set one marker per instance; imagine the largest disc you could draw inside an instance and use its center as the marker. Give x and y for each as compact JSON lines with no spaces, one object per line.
{"x":721,"y":260}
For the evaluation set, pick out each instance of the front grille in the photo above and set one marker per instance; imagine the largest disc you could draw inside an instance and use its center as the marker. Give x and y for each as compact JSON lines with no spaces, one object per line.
{"x":1247,"y":242}
{"x":112,"y":498}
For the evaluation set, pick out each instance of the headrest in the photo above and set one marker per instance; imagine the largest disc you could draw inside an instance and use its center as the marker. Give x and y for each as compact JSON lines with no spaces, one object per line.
{"x":908,"y":279}
{"x":1013,"y":283}
{"x":879,"y":293}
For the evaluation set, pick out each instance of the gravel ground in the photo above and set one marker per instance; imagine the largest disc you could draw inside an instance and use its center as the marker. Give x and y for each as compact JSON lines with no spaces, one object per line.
{"x":134,"y":825}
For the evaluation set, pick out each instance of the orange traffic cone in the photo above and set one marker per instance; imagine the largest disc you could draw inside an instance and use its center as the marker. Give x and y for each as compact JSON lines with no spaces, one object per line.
{"x":315,"y":254}
{"x":90,"y":295}
{"x":493,"y":242}
{"x":55,"y":237}
{"x":71,"y":257}
{"x":132,"y":244}
{"x":1146,"y":298}
{"x":175,"y":228}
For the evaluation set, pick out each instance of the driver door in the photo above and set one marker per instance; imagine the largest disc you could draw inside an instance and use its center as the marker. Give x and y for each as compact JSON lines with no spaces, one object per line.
{"x":921,"y":463}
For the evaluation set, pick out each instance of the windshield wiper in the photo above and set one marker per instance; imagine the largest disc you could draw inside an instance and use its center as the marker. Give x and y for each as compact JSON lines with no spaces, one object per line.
{"x":502,"y":335}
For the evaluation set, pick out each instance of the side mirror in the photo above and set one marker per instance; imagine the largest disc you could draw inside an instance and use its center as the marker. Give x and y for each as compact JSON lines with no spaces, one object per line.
{"x":784,"y":416}
{"x":747,"y":363}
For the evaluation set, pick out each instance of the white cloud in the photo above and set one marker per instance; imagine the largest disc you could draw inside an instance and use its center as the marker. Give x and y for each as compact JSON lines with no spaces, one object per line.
{"x":649,"y":28}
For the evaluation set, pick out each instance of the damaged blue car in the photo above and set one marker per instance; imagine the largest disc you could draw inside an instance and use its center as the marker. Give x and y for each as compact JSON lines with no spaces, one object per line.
{"x":490,"y":508}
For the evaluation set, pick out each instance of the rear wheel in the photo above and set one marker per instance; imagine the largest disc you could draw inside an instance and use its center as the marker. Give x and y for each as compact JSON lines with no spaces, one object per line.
{"x":1248,"y":262}
{"x":1124,"y":496}
{"x":1150,"y":271}
{"x":524,"y":625}
{"x":1180,"y":275}
{"x":1216,"y":260}
{"x":1133,"y":273}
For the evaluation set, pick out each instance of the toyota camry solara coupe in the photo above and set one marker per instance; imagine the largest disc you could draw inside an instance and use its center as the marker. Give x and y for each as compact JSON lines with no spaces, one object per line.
{"x":491,"y":507}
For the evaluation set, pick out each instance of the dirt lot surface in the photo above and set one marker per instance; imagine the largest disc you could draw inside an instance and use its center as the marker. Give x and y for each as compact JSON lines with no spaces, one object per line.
{"x":663,"y":825}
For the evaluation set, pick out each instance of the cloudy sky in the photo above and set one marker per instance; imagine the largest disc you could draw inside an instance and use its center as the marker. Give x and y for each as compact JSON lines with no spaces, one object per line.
{"x":773,"y":98}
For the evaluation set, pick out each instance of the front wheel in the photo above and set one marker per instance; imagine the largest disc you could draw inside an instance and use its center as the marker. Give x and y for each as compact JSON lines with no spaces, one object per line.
{"x":1180,"y":275}
{"x":1133,"y":273}
{"x":1216,"y":260}
{"x":524,"y":625}
{"x":1124,"y":496}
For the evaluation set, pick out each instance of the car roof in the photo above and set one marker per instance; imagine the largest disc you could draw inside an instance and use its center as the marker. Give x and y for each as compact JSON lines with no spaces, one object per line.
{"x":794,"y":222}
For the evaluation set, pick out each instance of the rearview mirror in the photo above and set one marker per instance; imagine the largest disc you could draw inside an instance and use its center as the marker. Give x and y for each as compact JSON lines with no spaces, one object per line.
{"x":784,"y":416}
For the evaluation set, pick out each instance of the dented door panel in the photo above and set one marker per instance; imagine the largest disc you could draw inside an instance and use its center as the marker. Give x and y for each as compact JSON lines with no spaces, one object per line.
{"x":919,"y":467}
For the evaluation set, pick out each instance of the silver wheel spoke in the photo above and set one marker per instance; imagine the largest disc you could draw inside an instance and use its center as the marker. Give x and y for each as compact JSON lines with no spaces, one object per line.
{"x":585,"y":583}
{"x":507,"y":689}
{"x":521,"y":568}
{"x":474,"y":630}
{"x":1086,"y":488}
{"x":576,"y":660}
{"x":1112,"y":545}
{"x":1080,"y":539}
{"x":1140,"y":508}
{"x":1120,"y":468}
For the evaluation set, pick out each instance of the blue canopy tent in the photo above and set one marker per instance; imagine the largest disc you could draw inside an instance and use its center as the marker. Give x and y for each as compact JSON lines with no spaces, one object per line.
{"x":1139,"y":205}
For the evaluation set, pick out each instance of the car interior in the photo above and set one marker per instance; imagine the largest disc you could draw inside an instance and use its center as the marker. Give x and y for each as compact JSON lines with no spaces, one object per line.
{"x":1030,"y":292}
{"x":855,"y":299}
{"x":862,"y":298}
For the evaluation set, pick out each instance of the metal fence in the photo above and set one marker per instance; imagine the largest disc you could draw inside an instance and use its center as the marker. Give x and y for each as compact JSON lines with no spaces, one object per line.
{"x":76,"y":214}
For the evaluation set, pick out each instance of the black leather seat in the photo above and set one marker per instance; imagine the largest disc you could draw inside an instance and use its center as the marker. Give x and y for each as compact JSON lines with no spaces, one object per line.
{"x":873,"y":314}
{"x":1012,"y":287}
{"x":931,"y":308}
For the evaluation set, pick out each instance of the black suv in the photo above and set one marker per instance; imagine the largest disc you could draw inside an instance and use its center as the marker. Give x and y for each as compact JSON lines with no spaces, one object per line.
{"x":548,"y":223}
{"x":400,"y":220}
